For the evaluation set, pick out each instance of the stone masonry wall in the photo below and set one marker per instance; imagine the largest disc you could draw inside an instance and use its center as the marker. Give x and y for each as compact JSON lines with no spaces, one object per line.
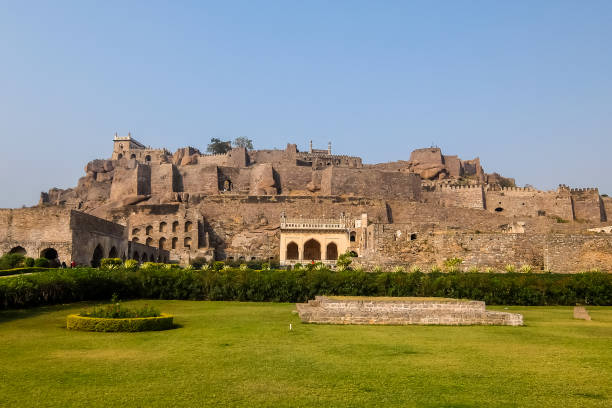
{"x":371,"y":183}
{"x":588,"y":205}
{"x":578,"y":252}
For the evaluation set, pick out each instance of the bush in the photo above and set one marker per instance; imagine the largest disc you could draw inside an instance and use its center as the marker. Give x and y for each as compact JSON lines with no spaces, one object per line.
{"x":9,"y":261}
{"x":42,"y":263}
{"x":100,"y":324}
{"x":115,"y":310}
{"x":131,"y":264}
{"x":28,"y":262}
{"x":79,"y":284}
{"x":198,"y":262}
{"x":110,"y":263}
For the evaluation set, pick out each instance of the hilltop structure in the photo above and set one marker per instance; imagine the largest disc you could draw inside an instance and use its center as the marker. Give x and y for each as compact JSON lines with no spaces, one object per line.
{"x":296,"y":207}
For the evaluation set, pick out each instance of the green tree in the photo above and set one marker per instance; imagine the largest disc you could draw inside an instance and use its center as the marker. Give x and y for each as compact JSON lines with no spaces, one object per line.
{"x":243,"y":142}
{"x":217,"y":146}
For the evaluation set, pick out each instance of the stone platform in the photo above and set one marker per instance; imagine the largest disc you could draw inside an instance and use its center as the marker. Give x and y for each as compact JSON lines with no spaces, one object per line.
{"x":402,"y":311}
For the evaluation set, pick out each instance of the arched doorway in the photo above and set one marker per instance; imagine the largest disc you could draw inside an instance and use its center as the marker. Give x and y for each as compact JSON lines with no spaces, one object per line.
{"x":175,"y":225}
{"x":144,"y":258}
{"x":292,"y":251}
{"x":152,"y":258}
{"x":149,"y":241}
{"x":188,"y":226}
{"x":174,"y":241}
{"x":162,"y":226}
{"x":312,"y":250}
{"x":162,"y":243}
{"x":332,"y":251}
{"x":136,"y":256}
{"x":19,"y":250}
{"x":97,"y":256}
{"x":113,"y":253}
{"x":132,"y":156}
{"x":51,"y":255}
{"x":187,"y":243}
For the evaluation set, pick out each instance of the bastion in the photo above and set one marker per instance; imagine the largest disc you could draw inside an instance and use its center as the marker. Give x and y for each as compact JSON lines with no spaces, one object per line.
{"x":402,"y":311}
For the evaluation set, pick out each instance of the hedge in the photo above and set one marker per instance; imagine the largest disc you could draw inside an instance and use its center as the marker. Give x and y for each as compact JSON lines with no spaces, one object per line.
{"x":71,"y":285}
{"x":18,"y":271}
{"x":102,"y":324}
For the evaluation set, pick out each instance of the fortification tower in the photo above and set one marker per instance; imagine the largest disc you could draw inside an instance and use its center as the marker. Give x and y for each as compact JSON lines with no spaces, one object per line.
{"x":122,"y":145}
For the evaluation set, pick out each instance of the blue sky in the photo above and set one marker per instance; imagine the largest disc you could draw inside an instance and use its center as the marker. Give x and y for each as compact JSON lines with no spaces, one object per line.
{"x":524,"y":85}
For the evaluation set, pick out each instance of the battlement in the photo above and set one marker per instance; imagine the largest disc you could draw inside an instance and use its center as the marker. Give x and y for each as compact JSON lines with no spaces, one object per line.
{"x":448,"y":187}
{"x":584,"y":190}
{"x":315,"y":224}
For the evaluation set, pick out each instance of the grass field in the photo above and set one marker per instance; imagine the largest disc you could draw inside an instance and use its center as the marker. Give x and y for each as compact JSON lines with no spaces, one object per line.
{"x":243,"y":354}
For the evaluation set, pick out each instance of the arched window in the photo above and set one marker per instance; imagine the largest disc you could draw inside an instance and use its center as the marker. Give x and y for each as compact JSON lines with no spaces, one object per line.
{"x":135,"y":239}
{"x":332,"y":251}
{"x":97,"y":256}
{"x":147,"y":158}
{"x":162,"y":226}
{"x":312,"y":250}
{"x":133,"y":156}
{"x":112,"y":253}
{"x":119,"y":156}
{"x":162,"y":243}
{"x":149,"y":230}
{"x":174,"y":241}
{"x":292,"y":251}
{"x":353,"y":236}
{"x":175,"y":226}
{"x":187,"y":242}
{"x":135,"y":231}
{"x":188,"y":226}
{"x":149,"y":241}
{"x":18,"y":250}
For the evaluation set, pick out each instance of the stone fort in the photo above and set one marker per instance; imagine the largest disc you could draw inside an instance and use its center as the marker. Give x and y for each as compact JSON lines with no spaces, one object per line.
{"x":295,"y":206}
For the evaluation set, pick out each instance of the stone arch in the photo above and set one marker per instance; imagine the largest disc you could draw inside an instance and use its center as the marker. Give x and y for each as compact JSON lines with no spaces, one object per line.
{"x":149,"y":241}
{"x":135,"y":231}
{"x":147,"y":158}
{"x":353,"y":236}
{"x":174,"y":242}
{"x":149,"y":229}
{"x":119,"y":156}
{"x":18,"y":250}
{"x":135,"y":239}
{"x":332,"y":251}
{"x":292,"y":251}
{"x":136,"y":256}
{"x":144,"y":257}
{"x":113,"y":253}
{"x":162,"y":243}
{"x":162,"y":226}
{"x":188,"y":226}
{"x":312,"y":250}
{"x":151,"y":257}
{"x":51,"y":255}
{"x":187,"y":242}
{"x":175,"y":225}
{"x":97,"y":256}
{"x":133,"y":156}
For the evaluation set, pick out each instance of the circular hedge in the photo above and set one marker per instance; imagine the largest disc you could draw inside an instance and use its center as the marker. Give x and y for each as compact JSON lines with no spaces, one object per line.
{"x":104,"y":324}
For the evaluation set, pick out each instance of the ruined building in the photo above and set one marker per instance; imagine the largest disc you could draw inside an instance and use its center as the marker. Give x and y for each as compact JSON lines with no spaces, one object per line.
{"x":302,"y":206}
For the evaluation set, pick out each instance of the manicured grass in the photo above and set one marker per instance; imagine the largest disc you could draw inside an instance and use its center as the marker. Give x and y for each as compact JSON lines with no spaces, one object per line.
{"x":243,"y":354}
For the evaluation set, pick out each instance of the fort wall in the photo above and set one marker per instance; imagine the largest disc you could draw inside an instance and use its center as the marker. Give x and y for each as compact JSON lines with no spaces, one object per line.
{"x":528,"y":202}
{"x":587,"y":205}
{"x":578,"y":252}
{"x":371,"y":183}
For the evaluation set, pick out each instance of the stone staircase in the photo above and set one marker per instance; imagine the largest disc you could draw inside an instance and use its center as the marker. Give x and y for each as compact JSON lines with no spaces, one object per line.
{"x":402,"y":311}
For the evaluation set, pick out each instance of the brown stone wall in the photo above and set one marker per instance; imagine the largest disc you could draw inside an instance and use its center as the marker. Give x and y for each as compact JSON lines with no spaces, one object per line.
{"x":527,"y":202}
{"x":163,"y":179}
{"x":199,"y":178}
{"x":460,"y":196}
{"x":89,"y":232}
{"x":371,"y":183}
{"x":573,"y":253}
{"x":453,"y":165}
{"x":587,"y":205}
{"x":607,"y":206}
{"x":292,"y":178}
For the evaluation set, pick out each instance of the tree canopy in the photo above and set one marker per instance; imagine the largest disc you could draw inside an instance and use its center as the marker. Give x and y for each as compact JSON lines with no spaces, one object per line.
{"x":218,"y":146}
{"x":243,"y":142}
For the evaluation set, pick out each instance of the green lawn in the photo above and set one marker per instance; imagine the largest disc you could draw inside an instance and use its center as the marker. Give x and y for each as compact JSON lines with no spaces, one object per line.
{"x":243,"y":354}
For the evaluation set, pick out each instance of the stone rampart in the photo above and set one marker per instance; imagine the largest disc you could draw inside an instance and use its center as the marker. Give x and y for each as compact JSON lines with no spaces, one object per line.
{"x":402,"y":311}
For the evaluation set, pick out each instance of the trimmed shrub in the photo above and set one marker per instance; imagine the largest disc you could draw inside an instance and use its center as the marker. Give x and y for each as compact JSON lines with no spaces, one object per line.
{"x":102,"y":324}
{"x":131,"y":264}
{"x":10,"y":261}
{"x":28,"y":262}
{"x":42,"y":263}
{"x":110,"y":263}
{"x":17,"y":271}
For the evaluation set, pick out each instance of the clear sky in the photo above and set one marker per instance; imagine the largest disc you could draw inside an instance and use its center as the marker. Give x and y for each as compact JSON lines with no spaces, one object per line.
{"x":524,"y":85}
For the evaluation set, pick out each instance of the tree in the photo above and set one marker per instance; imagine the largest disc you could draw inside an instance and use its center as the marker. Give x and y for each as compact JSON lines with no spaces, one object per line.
{"x":243,"y":142}
{"x":217,"y":146}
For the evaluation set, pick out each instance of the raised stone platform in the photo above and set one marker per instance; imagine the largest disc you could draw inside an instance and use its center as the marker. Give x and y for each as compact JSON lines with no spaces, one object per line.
{"x":402,"y":311}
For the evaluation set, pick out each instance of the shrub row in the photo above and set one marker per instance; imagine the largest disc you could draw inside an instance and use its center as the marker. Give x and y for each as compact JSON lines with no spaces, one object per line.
{"x":18,"y":271}
{"x":102,"y":324}
{"x":69,"y":285}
